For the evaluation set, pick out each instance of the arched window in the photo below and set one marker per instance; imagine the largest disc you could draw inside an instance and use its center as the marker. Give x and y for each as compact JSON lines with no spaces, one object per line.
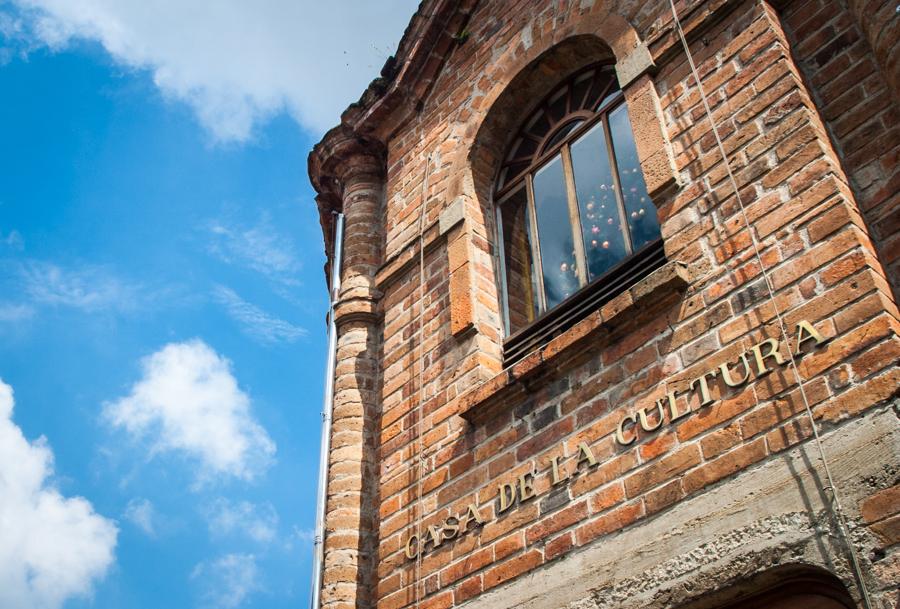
{"x":572,"y":207}
{"x":794,"y":587}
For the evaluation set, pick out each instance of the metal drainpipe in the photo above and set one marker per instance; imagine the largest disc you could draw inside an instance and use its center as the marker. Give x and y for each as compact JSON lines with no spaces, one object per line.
{"x":322,"y":498}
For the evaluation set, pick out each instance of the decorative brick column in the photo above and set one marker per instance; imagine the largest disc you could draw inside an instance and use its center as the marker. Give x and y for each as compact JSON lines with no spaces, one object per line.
{"x":880,"y":21}
{"x":849,"y":53}
{"x":351,"y":512}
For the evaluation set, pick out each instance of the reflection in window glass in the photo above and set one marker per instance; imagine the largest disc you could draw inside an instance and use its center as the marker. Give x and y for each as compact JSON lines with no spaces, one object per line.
{"x":604,"y":244}
{"x":639,"y":210}
{"x":521,"y":292}
{"x":558,"y":262}
{"x":579,"y":206}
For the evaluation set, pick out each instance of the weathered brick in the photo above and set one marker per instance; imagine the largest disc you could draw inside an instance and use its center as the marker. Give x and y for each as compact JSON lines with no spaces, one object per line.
{"x":725,"y":465}
{"x":609,"y":522}
{"x":807,"y":122}
{"x":559,"y":546}
{"x":659,"y":471}
{"x":512,"y":568}
{"x":883,"y":504}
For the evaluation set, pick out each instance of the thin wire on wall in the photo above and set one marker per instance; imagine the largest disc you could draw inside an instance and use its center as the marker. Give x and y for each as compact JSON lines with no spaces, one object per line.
{"x":835,"y":504}
{"x":419,"y":456}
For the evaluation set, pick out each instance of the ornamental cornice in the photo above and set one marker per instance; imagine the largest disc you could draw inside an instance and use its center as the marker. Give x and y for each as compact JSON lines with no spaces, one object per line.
{"x":341,"y":156}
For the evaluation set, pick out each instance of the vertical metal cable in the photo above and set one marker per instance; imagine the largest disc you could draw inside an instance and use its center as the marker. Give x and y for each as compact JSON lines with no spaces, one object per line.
{"x":420,"y":461}
{"x":835,"y":504}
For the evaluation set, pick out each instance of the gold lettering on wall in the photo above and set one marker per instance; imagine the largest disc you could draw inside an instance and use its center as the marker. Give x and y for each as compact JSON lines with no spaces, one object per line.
{"x":805,"y":332}
{"x":645,"y":420}
{"x":761,"y":357}
{"x":664,"y":411}
{"x":526,"y":486}
{"x":557,"y":478}
{"x":585,"y":456}
{"x":507,"y":496}
{"x":674,"y":415}
{"x":412,"y":547}
{"x":705,"y":399}
{"x":451,"y":527}
{"x":620,"y":430}
{"x":472,"y":515}
{"x":726,"y":374}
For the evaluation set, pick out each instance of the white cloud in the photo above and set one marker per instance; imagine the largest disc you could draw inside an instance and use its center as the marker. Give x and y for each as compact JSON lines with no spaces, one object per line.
{"x":258,"y":522}
{"x":12,"y":239}
{"x":307,"y":536}
{"x":260,"y":248}
{"x":15,"y":312}
{"x":90,"y":288}
{"x":189,"y":402}
{"x":142,"y":514}
{"x":256,"y":322}
{"x":51,"y":547}
{"x":229,"y":580}
{"x":236,"y":63}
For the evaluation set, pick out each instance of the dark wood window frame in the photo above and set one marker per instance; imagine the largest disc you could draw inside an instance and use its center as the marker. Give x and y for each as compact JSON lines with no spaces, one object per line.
{"x":600,"y":98}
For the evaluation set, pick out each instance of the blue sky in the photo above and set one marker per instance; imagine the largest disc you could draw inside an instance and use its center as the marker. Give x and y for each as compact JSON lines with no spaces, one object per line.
{"x":162,"y":300}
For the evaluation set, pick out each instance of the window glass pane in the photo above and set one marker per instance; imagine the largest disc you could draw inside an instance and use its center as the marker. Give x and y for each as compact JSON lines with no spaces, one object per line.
{"x":640,"y":211}
{"x":562,"y":133}
{"x":555,"y":233}
{"x":610,"y":95}
{"x":604,"y":244}
{"x":521,"y":291}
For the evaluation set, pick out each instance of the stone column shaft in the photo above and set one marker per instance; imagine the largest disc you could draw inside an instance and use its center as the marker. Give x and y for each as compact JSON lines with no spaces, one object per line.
{"x":351,"y":513}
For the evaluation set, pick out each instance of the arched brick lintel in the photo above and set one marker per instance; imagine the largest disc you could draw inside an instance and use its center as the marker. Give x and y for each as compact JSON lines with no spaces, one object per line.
{"x":520,"y":77}
{"x":525,"y":72}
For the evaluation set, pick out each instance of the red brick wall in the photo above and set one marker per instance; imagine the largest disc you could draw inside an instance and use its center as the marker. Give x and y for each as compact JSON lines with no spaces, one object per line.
{"x":814,"y":229}
{"x":858,"y":107}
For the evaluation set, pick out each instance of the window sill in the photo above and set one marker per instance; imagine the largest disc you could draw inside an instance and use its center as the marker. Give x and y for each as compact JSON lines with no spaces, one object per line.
{"x":562,"y":317}
{"x":588,"y":336}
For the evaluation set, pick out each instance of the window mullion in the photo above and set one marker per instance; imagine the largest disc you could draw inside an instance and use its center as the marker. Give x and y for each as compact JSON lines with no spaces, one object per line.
{"x":501,"y":240}
{"x":535,"y":245}
{"x":620,"y":198}
{"x":574,"y":216}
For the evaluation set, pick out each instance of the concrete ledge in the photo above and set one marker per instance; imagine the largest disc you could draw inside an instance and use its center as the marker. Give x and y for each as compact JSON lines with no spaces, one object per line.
{"x":769,"y":516}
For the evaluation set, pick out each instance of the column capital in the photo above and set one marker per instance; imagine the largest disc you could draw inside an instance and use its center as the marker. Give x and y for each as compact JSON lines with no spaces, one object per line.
{"x":342,"y":158}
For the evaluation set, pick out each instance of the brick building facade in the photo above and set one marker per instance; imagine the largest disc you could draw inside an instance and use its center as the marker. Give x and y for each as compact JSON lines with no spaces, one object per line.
{"x":649,"y":437}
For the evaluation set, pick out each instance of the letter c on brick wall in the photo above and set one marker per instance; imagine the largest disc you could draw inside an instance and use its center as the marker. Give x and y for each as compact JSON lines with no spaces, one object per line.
{"x":620,"y":430}
{"x":646,"y":425}
{"x":412,"y":547}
